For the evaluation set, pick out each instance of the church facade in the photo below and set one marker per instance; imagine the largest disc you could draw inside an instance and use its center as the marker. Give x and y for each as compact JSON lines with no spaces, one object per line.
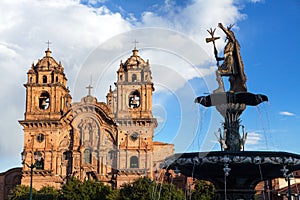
{"x":108,"y":141}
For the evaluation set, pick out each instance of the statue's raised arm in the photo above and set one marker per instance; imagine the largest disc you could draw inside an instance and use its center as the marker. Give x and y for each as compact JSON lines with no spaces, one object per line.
{"x":227,"y":31}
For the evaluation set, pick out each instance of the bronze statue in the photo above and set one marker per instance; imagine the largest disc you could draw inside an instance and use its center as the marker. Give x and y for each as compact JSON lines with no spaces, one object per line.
{"x":232,"y":65}
{"x":230,"y":104}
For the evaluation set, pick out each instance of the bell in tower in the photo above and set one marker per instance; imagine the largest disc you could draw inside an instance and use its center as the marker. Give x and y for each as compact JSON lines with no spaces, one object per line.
{"x":44,"y":101}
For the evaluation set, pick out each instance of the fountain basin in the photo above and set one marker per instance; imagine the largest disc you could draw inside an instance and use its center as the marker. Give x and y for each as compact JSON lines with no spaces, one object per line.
{"x":220,"y":98}
{"x":246,"y":169}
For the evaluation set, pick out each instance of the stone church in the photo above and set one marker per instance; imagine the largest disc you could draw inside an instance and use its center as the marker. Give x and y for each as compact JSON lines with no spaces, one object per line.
{"x":108,"y":141}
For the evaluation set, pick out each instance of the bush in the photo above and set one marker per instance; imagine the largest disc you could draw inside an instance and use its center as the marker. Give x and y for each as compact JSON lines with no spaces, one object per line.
{"x":203,"y":190}
{"x":87,"y":190}
{"x":145,"y":189}
{"x":21,"y":192}
{"x":141,"y":189}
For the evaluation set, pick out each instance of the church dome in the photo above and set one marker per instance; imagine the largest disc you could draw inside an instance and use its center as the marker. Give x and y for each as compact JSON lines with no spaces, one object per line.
{"x":48,"y":63}
{"x":134,"y":61}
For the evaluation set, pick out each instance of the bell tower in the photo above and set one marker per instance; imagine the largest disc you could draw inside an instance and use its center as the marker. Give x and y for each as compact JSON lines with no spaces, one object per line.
{"x":47,"y":101}
{"x":46,"y":92}
{"x":131,"y":103}
{"x":134,"y":88}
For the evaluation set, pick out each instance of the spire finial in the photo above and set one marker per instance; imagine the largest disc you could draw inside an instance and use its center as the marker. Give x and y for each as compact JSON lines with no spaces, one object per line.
{"x":135,"y":42}
{"x":89,"y":87}
{"x":48,"y":43}
{"x":48,"y":52}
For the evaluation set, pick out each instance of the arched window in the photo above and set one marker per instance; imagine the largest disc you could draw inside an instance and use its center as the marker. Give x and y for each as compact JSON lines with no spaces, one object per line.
{"x":134,"y":78}
{"x":44,"y":79}
{"x":65,"y":155}
{"x":44,"y":101}
{"x":39,"y":160}
{"x":121,"y":77}
{"x":134,"y":99}
{"x":52,"y":77}
{"x":30,"y":80}
{"x":87,"y":156}
{"x":56,"y":79}
{"x":39,"y":164}
{"x":134,"y":162}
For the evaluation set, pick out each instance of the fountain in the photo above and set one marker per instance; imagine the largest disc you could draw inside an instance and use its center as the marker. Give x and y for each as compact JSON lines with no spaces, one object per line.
{"x":233,"y":171}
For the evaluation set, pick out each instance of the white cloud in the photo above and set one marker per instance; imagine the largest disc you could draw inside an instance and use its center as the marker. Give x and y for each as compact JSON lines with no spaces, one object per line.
{"x":94,"y":2}
{"x":253,"y":138}
{"x":256,"y":1}
{"x":286,"y":113}
{"x":196,"y":17}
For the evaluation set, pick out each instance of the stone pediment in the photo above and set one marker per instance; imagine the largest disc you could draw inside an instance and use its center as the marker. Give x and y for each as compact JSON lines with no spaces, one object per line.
{"x":89,"y":105}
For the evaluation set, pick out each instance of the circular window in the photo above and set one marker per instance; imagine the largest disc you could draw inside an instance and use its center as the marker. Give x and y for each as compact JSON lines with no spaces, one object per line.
{"x":134,"y":136}
{"x":40,"y":137}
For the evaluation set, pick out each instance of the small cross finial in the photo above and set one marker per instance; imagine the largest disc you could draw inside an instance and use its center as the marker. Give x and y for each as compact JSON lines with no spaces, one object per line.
{"x":89,"y":87}
{"x":135,"y":42}
{"x":48,"y":43}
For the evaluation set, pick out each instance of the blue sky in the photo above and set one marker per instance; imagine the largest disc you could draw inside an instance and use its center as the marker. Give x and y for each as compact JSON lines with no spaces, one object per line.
{"x":172,"y":36}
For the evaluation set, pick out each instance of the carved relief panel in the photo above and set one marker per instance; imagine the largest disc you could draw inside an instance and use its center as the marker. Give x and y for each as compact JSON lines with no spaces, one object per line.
{"x":89,"y":130}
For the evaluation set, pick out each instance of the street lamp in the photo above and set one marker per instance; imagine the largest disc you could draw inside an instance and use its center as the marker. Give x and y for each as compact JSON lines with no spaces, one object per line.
{"x":287,"y":178}
{"x":37,"y":164}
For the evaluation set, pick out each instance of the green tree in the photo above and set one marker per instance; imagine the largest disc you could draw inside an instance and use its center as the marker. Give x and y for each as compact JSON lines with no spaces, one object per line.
{"x":203,"y":190}
{"x":87,"y":190}
{"x":48,"y":193}
{"x":96,"y":190}
{"x":145,"y":189}
{"x":169,"y":192}
{"x":141,"y":189}
{"x":21,"y":192}
{"x":72,"y":189}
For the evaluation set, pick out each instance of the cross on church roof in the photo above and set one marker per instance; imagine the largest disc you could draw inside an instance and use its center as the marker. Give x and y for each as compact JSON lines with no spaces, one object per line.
{"x":135,"y":42}
{"x":89,"y":89}
{"x":48,"y":43}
